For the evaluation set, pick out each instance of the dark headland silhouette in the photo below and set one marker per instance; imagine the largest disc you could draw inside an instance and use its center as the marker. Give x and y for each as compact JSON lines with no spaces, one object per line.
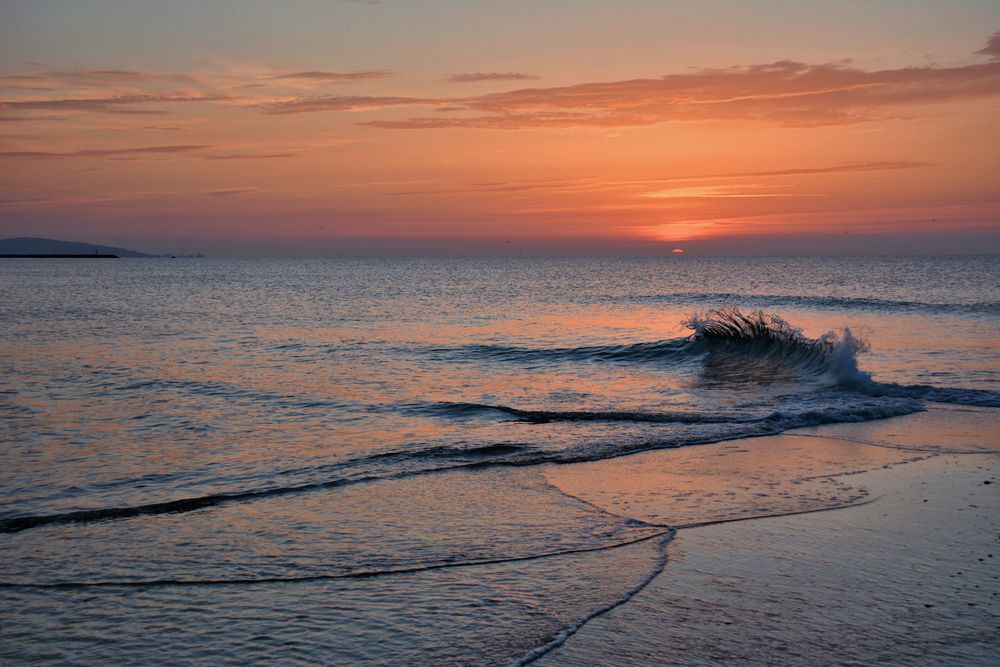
{"x":27,"y":246}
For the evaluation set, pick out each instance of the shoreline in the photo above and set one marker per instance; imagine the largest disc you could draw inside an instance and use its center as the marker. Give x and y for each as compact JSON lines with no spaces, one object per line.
{"x":633,"y":602}
{"x":730,"y":585}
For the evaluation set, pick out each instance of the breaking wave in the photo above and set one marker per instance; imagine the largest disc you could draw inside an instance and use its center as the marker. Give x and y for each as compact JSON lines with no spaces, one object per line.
{"x":763,"y":341}
{"x":423,"y":460}
{"x":726,"y":344}
{"x":727,"y":347}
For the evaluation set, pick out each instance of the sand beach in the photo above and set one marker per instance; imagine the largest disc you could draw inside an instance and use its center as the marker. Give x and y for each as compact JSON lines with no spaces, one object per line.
{"x":904,"y":572}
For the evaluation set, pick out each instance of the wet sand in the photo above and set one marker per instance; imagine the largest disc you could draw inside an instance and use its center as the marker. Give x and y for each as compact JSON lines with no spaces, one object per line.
{"x":907,"y":575}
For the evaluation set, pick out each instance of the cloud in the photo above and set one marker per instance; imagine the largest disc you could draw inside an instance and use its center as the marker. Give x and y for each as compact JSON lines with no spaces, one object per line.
{"x":507,"y":186}
{"x":473,"y":77}
{"x":119,"y":104}
{"x":104,"y":152}
{"x":98,"y":78}
{"x":802,"y":171}
{"x":593,"y":183}
{"x":120,"y":91}
{"x":783,"y":93}
{"x":720,"y":192}
{"x":248,"y":156}
{"x":992,"y":47}
{"x":553,"y":119}
{"x":230,"y":192}
{"x":27,"y":119}
{"x":339,"y":103}
{"x":336,"y":76}
{"x":188,"y":150}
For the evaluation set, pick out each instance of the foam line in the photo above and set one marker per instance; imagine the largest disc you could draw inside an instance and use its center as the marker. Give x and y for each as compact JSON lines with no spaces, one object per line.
{"x":571,"y":630}
{"x":358,"y":574}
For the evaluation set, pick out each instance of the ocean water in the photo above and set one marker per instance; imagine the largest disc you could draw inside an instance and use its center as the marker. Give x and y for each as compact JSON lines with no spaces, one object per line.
{"x":344,"y":461}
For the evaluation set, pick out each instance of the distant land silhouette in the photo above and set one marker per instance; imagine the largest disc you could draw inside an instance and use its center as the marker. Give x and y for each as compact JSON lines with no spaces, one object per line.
{"x":27,"y":245}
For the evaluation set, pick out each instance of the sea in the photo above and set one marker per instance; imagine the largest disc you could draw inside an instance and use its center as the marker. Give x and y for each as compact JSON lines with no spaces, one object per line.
{"x":343,"y":461}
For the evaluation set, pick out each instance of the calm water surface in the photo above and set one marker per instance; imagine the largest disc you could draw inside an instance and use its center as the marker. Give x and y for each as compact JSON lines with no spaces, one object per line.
{"x":249,"y":454}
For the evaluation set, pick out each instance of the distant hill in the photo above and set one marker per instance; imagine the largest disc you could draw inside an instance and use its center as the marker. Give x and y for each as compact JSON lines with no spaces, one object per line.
{"x":27,"y":245}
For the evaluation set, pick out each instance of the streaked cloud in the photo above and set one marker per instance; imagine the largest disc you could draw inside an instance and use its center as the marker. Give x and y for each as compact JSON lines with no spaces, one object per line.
{"x":801,"y":171}
{"x":475,"y":77}
{"x":784,"y":93}
{"x":45,"y":90}
{"x":992,"y":47}
{"x":185,"y":150}
{"x":340,"y":103}
{"x":720,"y":192}
{"x":594,"y":183}
{"x":229,"y":192}
{"x":119,"y":104}
{"x":336,"y":76}
{"x":104,"y":152}
{"x":249,"y":156}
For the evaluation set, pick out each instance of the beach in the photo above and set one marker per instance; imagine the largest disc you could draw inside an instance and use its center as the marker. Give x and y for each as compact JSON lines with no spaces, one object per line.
{"x":904,"y":573}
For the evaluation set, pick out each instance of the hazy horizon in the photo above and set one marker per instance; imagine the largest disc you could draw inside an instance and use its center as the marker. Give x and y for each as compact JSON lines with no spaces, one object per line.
{"x":884,"y":246}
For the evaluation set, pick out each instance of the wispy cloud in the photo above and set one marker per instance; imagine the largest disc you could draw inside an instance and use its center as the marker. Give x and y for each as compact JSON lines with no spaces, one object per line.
{"x":785,"y":93}
{"x":801,"y":171}
{"x":595,"y":183}
{"x":46,"y":90}
{"x":720,"y":192}
{"x":992,"y":47}
{"x":27,"y":119}
{"x":559,"y":184}
{"x":249,"y":156}
{"x":185,"y":150}
{"x":474,"y":77}
{"x":104,"y":152}
{"x":98,"y":78}
{"x":335,"y":76}
{"x":229,"y":192}
{"x":119,"y":104}
{"x":340,"y":103}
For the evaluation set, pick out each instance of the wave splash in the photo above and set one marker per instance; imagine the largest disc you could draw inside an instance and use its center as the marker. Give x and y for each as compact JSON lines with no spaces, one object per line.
{"x":730,"y":348}
{"x":727,"y":345}
{"x":765,"y":346}
{"x":763,"y":336}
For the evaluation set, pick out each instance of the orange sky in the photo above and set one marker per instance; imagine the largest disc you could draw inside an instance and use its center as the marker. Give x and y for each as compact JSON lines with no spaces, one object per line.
{"x":269,"y":139}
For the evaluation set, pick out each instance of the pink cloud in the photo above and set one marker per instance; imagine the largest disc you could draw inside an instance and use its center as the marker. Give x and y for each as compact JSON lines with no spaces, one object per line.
{"x":474,"y":77}
{"x":335,"y":76}
{"x":340,"y":103}
{"x":230,"y":192}
{"x":104,"y":152}
{"x":992,"y":47}
{"x":113,"y":104}
{"x":784,"y":93}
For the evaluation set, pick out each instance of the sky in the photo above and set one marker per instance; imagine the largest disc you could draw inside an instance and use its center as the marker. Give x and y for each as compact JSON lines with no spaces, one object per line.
{"x":545,"y":127}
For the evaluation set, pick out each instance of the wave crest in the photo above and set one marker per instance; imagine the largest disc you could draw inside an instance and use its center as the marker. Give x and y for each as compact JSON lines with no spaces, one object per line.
{"x":759,"y":346}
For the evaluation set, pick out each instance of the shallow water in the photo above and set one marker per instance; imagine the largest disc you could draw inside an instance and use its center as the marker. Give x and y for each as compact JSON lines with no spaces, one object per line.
{"x":908,"y":580}
{"x":194,"y":421}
